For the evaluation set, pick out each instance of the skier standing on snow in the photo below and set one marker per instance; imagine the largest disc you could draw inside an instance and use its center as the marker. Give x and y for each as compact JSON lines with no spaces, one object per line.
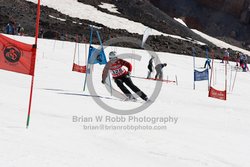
{"x":150,"y":67}
{"x":237,"y":59}
{"x":241,"y":59}
{"x":20,"y":30}
{"x":10,"y":28}
{"x":244,"y":66}
{"x":159,"y":73}
{"x":121,"y":75}
{"x":225,"y":57}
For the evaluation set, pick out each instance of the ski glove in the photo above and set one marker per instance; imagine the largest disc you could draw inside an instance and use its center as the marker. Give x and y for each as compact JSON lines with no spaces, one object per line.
{"x":128,"y":75}
{"x":103,"y":81}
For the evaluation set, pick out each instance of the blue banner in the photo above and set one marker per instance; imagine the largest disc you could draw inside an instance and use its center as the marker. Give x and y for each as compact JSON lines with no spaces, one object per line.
{"x":200,"y":75}
{"x":96,"y":56}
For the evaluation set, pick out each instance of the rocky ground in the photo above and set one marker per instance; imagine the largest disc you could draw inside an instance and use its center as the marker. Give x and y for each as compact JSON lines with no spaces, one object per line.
{"x":24,"y":12}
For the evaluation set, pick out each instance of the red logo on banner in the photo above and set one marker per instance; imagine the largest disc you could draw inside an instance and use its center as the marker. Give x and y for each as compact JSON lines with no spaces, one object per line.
{"x":77,"y":68}
{"x":12,"y":54}
{"x":217,"y":94}
{"x":16,"y":56}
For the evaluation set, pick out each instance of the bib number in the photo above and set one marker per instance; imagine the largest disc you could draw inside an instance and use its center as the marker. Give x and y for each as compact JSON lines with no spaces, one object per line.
{"x":115,"y":72}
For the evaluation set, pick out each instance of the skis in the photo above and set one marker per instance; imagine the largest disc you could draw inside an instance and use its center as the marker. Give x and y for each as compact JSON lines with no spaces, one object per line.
{"x":136,"y":100}
{"x":120,"y":96}
{"x":153,"y":79}
{"x":163,"y":80}
{"x":131,"y":100}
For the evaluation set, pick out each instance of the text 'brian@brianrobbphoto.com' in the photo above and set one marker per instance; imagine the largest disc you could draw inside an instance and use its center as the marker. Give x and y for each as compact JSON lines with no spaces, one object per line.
{"x":131,"y":123}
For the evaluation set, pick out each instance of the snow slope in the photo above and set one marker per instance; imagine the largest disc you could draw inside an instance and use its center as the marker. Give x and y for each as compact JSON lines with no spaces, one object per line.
{"x":208,"y":132}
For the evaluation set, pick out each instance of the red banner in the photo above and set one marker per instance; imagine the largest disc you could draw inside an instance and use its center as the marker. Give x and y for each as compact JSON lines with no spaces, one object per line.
{"x":77,"y":68}
{"x":16,"y":56}
{"x":217,"y":94}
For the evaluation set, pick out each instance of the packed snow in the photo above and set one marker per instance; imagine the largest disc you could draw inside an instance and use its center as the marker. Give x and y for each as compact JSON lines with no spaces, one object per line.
{"x":110,"y":7}
{"x":199,"y":131}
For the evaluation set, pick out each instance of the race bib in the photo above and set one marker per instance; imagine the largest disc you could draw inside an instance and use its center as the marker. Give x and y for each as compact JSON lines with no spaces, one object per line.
{"x":118,"y":72}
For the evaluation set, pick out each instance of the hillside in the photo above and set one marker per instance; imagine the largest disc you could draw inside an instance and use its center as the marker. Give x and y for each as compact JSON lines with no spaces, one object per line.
{"x":23,"y":12}
{"x":228,"y":20}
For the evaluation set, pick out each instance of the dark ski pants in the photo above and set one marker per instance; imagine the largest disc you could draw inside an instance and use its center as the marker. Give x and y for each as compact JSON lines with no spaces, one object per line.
{"x":150,"y":70}
{"x":127,"y":80}
{"x":207,"y":63}
{"x":159,"y":75}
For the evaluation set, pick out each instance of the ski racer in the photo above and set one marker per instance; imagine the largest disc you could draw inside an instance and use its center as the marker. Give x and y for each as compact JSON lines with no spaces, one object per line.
{"x":121,"y":76}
